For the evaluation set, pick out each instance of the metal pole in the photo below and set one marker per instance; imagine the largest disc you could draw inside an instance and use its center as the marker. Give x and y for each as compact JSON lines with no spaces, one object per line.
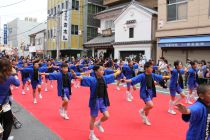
{"x":58,"y":37}
{"x":69,"y":22}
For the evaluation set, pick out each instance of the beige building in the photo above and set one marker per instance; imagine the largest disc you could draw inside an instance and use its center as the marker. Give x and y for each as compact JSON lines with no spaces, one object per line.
{"x":184,"y":29}
{"x":147,"y":3}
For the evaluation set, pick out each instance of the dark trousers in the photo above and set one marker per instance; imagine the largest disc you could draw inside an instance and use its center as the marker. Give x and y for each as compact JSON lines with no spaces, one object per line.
{"x":6,"y":120}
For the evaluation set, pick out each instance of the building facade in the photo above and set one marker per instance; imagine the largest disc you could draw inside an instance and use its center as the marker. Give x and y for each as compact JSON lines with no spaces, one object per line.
{"x":148,"y":3}
{"x":18,"y":31}
{"x":38,"y":42}
{"x":127,"y":29}
{"x":80,"y":25}
{"x":135,"y":28}
{"x":102,"y":45}
{"x":184,"y":29}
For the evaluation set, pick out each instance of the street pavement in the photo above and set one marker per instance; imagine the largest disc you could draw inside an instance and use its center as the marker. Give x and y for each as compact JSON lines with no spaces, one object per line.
{"x":32,"y":129}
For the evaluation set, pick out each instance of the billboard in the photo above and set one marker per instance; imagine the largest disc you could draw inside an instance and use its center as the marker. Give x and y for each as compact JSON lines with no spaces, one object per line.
{"x":5,"y":34}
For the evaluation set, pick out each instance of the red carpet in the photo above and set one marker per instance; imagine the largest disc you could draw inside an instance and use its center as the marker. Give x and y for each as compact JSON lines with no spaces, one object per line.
{"x":124,"y":123}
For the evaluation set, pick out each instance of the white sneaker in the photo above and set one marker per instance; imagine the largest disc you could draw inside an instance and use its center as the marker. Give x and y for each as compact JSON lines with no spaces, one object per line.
{"x":128,"y":97}
{"x":189,"y":102}
{"x":45,"y":90}
{"x":35,"y":102}
{"x":10,"y":138}
{"x":171,"y":111}
{"x":40,"y":96}
{"x":27,"y":88}
{"x":100,"y":128}
{"x":144,"y":117}
{"x":61,"y":111}
{"x":118,"y":88}
{"x":93,"y":137}
{"x":147,"y":122}
{"x":131,"y":96}
{"x":66,"y":117}
{"x":23,"y":92}
{"x":142,"y":114}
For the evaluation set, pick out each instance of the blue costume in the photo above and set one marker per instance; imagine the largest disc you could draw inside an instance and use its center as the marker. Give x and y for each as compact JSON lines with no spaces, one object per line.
{"x":198,"y":121}
{"x":175,"y":82}
{"x":95,"y":103}
{"x":59,"y":77}
{"x":129,"y":72}
{"x":146,"y":93}
{"x":192,"y":78}
{"x":34,"y":75}
{"x":5,"y":88}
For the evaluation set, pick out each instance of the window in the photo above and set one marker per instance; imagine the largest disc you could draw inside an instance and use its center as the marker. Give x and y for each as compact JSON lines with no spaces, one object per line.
{"x":75,"y":4}
{"x":48,"y":12}
{"x":67,"y":5}
{"x":93,"y":9}
{"x":74,"y":29}
{"x":51,"y":12}
{"x":55,"y":12}
{"x":48,"y":34}
{"x":51,"y":33}
{"x":109,"y":24}
{"x":131,"y":32}
{"x":62,"y":5}
{"x":92,"y":32}
{"x":176,"y":9}
{"x":59,"y":8}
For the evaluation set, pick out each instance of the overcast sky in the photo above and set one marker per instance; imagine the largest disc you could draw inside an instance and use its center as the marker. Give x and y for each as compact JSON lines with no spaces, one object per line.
{"x":28,"y":8}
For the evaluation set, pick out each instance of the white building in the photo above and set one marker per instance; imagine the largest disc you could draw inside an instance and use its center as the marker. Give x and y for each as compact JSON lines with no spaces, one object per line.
{"x":18,"y":31}
{"x":38,"y":41}
{"x":135,"y":32}
{"x":103,"y":43}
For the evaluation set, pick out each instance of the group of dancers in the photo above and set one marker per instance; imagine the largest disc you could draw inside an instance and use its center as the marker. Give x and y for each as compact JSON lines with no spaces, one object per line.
{"x":97,"y":74}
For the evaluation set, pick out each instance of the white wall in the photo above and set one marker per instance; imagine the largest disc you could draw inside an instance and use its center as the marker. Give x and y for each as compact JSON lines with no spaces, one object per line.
{"x":142,"y":28}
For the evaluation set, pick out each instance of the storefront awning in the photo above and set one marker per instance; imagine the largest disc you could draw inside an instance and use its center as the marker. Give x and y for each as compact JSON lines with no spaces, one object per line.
{"x":187,"y":41}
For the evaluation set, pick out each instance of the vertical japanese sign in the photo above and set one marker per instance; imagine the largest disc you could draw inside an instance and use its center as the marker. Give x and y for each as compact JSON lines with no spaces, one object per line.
{"x":64,"y":26}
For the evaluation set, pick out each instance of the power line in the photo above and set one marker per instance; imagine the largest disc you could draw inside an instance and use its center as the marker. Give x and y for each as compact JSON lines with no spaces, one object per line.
{"x":12,"y":4}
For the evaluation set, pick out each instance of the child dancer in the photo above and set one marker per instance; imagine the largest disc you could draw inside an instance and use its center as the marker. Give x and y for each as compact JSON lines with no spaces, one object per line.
{"x":99,"y":99}
{"x":50,"y":69}
{"x":35,"y":79}
{"x":192,"y":81}
{"x":176,"y":85}
{"x":63,"y":86}
{"x":25,"y":79}
{"x":198,"y":115}
{"x":148,"y":90}
{"x":121,"y":76}
{"x":129,"y":72}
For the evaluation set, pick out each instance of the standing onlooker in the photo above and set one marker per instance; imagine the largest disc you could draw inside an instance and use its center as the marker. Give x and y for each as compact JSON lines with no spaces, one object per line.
{"x":6,"y":79}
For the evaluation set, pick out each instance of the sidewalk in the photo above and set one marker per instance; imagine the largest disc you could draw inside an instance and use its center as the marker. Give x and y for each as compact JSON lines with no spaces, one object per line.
{"x":32,"y":129}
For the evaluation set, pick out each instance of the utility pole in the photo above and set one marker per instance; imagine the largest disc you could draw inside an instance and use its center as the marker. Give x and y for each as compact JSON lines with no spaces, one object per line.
{"x":69,"y":22}
{"x":58,"y":37}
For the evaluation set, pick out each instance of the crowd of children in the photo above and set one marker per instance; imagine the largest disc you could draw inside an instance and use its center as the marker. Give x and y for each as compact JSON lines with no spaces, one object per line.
{"x":98,"y":73}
